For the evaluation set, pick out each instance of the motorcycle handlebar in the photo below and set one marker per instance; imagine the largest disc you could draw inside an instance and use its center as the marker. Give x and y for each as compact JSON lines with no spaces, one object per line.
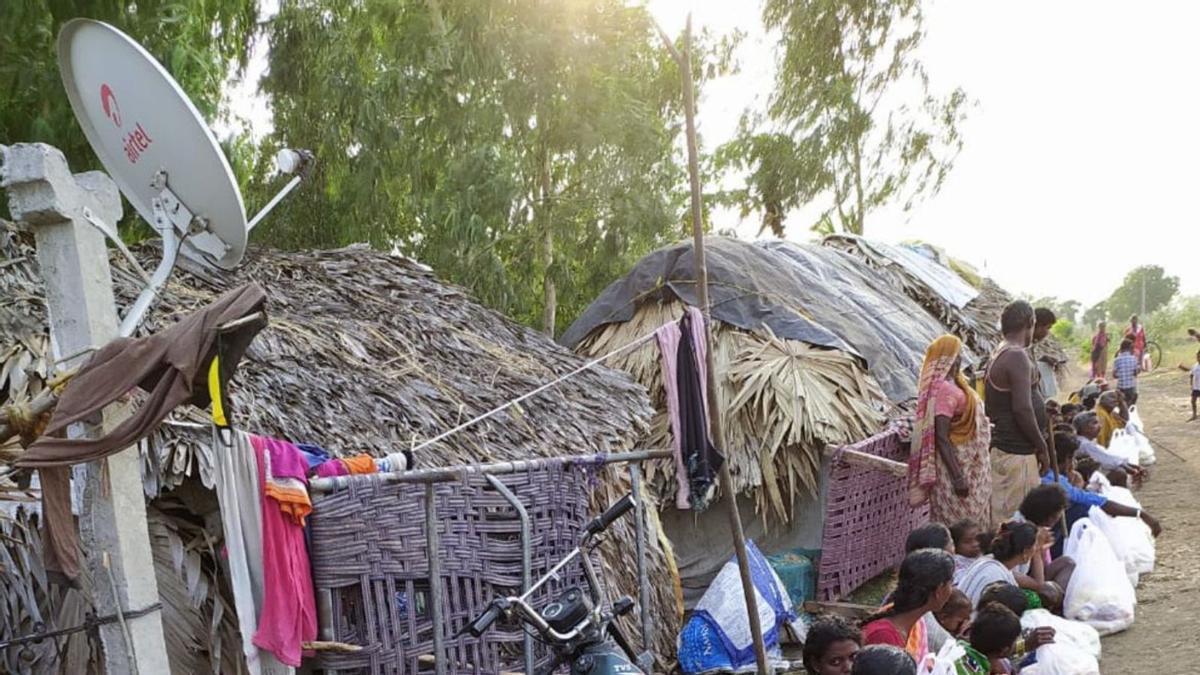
{"x":623,"y":506}
{"x":484,"y":621}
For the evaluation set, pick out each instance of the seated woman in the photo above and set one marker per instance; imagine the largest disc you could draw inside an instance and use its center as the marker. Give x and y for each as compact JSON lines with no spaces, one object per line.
{"x":1014,"y":545}
{"x":925,"y":584}
{"x":884,"y":660}
{"x":830,"y":646}
{"x":1113,"y":412}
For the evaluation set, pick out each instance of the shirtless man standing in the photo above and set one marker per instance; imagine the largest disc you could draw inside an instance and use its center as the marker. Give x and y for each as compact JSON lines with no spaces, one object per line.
{"x":1017,"y":411}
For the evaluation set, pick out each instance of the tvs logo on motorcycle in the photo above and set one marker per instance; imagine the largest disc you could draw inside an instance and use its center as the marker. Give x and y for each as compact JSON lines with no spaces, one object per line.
{"x":109,"y":102}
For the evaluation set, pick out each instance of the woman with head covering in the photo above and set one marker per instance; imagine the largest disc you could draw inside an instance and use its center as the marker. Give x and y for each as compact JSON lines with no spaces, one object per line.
{"x":948,"y":465}
{"x":1100,"y":350}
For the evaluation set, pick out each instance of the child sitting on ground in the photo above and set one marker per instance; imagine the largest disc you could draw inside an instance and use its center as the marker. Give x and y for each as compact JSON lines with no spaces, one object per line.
{"x":955,"y":614}
{"x":967,"y":549}
{"x":994,"y":632}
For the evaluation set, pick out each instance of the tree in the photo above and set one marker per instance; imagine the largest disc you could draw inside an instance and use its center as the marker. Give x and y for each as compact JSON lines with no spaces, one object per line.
{"x":1149,"y":282}
{"x":1095,"y":314}
{"x":841,"y":129}
{"x":1066,"y":310}
{"x":524,"y":149}
{"x":200,"y":44}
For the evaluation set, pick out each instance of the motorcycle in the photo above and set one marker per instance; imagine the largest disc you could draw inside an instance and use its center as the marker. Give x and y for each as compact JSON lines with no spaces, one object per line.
{"x":578,"y":625}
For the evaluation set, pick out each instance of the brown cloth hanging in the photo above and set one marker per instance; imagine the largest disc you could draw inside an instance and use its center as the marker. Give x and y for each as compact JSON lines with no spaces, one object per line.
{"x":171,"y":366}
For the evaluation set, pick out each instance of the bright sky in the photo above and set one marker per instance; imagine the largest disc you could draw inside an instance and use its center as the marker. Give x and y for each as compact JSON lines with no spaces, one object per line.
{"x":1079,"y":160}
{"x":1079,"y":157}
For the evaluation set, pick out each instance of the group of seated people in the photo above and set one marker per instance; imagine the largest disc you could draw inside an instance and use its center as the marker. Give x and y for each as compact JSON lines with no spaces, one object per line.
{"x":968,"y":584}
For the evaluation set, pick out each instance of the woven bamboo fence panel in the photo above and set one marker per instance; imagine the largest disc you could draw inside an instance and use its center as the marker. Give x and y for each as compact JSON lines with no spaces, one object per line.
{"x":867,"y":518}
{"x":369,"y":553}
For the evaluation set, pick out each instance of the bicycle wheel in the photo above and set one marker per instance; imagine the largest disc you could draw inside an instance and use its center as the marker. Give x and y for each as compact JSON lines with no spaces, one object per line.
{"x":1155,"y":353}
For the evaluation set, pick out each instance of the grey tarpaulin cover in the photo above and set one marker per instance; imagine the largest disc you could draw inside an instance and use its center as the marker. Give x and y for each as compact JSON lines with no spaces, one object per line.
{"x":939,"y":278}
{"x":809,"y":293}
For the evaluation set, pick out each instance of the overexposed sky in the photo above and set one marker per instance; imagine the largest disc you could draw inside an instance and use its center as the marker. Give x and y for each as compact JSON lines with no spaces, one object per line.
{"x":1079,"y":158}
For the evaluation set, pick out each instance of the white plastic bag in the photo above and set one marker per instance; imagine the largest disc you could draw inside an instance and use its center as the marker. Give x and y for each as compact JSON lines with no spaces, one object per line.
{"x":1137,"y":429}
{"x":1131,"y":538}
{"x":1125,"y":446}
{"x":1056,"y":659}
{"x":944,"y":662}
{"x":1098,"y":482}
{"x":1099,"y":594}
{"x":1076,"y":634}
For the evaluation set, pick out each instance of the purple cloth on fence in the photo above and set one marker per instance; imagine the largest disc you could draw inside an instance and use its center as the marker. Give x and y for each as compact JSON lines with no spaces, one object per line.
{"x":685,"y":385}
{"x":333,"y":467}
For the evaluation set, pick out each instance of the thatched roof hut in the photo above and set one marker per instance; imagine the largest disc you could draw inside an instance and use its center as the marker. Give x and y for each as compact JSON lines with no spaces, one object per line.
{"x":817,"y":345}
{"x":365,"y":352}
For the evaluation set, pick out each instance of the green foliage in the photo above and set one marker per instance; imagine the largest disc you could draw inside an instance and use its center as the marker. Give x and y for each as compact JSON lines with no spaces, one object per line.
{"x":1067,"y":310}
{"x":841,"y":130}
{"x":1159,"y":290}
{"x":504,"y":144}
{"x":1168,"y":327}
{"x":1064,"y":331}
{"x":1095,"y":314}
{"x":200,"y":44}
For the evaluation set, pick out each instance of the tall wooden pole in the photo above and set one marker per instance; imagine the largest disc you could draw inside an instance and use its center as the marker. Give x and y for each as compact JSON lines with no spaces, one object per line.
{"x":716,"y":424}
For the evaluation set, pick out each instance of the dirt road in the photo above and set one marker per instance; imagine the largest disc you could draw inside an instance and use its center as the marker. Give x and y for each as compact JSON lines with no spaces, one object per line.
{"x":1165,"y":640}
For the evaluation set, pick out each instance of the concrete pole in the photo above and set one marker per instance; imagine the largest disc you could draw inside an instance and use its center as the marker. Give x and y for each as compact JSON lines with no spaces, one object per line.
{"x":73,"y":259}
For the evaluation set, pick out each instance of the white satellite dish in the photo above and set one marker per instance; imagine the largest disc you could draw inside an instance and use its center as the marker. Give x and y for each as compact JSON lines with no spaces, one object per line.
{"x":158,"y":150}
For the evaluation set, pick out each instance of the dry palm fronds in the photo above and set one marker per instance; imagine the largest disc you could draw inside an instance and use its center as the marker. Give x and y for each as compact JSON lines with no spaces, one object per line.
{"x":365,"y":352}
{"x":782,"y":402}
{"x":29,"y":605}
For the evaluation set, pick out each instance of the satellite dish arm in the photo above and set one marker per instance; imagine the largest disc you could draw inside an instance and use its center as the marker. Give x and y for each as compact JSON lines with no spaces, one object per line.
{"x":171,"y":242}
{"x":298,"y":162}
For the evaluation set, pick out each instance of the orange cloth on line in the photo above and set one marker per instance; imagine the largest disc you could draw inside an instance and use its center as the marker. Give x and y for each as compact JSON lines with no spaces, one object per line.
{"x":360,"y":464}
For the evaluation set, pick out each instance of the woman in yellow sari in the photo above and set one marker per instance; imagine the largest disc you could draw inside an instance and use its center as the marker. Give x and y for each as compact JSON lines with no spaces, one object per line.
{"x":948,"y":465}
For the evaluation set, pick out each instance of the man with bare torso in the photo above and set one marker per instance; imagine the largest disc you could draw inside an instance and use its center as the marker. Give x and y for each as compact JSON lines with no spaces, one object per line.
{"x":1017,"y":411}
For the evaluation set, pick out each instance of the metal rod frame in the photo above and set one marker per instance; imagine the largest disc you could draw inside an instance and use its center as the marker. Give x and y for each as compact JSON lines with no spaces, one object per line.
{"x":526,"y":555}
{"x":431,"y":477}
{"x":454,"y":473}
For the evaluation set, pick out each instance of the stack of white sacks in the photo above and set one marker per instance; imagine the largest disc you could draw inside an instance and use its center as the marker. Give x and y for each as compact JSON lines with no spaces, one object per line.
{"x":1111,"y":555}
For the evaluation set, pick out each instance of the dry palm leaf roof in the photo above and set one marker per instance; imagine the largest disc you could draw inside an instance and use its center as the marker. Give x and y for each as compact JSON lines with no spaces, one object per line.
{"x":365,"y":352}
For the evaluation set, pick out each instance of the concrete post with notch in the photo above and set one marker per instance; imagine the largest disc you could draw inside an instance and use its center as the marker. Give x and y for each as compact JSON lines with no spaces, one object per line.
{"x":57,"y":206}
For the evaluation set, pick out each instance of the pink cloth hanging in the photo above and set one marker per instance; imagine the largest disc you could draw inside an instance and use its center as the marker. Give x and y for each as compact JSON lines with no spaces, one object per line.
{"x":668,"y":344}
{"x":288,"y":616}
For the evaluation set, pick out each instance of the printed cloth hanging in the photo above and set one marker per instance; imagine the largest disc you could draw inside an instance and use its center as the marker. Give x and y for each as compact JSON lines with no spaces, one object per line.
{"x":682,"y":346}
{"x":173,"y":366}
{"x":240,"y":501}
{"x":288,"y":614}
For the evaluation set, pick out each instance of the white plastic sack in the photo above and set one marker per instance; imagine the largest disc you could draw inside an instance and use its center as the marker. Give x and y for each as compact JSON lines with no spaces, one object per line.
{"x":1125,"y":445}
{"x":944,"y":662}
{"x":1056,"y":659}
{"x":1075,"y":634}
{"x":1099,"y":594}
{"x":1137,"y":430}
{"x":1099,"y":482}
{"x":1130,"y":538}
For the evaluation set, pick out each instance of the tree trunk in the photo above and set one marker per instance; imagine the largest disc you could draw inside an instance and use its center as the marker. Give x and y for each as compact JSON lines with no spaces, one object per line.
{"x":549,"y":291}
{"x":856,"y":224}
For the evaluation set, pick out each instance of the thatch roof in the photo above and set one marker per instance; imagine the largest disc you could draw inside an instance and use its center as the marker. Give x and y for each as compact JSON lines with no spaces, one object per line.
{"x":977,"y":323}
{"x":365,"y":352}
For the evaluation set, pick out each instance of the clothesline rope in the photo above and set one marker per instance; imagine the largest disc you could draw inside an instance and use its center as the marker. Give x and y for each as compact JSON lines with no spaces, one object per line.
{"x":534,"y":392}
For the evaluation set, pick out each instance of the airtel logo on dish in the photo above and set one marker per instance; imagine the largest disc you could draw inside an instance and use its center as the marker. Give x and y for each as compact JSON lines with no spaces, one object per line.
{"x":136,"y":141}
{"x":108,"y":101}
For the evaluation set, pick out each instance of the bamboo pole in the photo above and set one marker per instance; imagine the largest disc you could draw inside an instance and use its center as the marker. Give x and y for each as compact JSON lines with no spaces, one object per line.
{"x":717,"y":426}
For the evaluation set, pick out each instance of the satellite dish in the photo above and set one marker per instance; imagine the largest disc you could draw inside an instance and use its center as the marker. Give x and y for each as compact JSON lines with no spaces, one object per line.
{"x":152,"y":140}
{"x":158,"y":150}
